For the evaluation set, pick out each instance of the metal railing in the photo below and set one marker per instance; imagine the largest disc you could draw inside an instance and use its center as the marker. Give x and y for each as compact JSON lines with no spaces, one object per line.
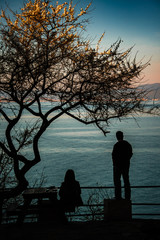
{"x":142,"y":204}
{"x":94,"y":209}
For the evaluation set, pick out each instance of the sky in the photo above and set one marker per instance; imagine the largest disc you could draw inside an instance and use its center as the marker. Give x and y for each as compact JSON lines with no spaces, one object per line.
{"x":136,"y":22}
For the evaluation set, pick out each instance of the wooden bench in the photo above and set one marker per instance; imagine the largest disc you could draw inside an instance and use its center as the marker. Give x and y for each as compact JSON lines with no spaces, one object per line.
{"x":13,"y":212}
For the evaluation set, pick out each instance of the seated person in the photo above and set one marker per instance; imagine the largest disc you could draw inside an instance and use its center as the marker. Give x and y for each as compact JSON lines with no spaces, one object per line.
{"x":70,"y":192}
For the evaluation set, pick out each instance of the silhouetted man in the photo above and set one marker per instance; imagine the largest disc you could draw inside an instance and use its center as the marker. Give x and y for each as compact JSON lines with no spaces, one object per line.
{"x":121,"y":155}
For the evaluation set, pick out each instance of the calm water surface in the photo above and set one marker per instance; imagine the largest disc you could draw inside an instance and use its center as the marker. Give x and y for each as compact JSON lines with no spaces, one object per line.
{"x":70,"y":144}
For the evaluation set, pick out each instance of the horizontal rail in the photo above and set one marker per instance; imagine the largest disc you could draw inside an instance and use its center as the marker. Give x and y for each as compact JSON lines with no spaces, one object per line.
{"x":87,"y":214}
{"x":98,"y":187}
{"x":110,"y":187}
{"x":101,"y":205}
{"x":146,"y":204}
{"x":146,"y":214}
{"x":100,"y":214}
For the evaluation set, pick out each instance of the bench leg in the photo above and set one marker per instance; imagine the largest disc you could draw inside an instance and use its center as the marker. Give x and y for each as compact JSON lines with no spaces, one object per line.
{"x":1,"y":204}
{"x":22,"y":214}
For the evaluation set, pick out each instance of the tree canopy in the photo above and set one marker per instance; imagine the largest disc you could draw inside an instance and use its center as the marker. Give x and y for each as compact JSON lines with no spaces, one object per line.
{"x":44,"y":57}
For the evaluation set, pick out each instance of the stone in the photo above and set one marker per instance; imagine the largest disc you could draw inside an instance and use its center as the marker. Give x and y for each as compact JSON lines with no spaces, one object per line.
{"x":117,"y":209}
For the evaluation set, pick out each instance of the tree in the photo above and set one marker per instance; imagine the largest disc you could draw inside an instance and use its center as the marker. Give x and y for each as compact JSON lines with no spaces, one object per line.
{"x":43,"y":57}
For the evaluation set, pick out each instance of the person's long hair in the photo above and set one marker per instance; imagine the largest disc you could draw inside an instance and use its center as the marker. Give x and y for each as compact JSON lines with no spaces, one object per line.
{"x":69,"y":176}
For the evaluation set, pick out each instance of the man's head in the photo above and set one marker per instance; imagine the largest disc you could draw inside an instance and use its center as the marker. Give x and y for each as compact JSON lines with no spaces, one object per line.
{"x":119,"y":135}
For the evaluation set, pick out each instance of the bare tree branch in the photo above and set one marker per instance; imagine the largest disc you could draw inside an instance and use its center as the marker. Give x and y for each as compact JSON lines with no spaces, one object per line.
{"x":43,"y":57}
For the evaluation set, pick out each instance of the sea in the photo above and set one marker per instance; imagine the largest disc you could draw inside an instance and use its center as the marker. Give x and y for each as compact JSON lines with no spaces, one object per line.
{"x":69,"y":144}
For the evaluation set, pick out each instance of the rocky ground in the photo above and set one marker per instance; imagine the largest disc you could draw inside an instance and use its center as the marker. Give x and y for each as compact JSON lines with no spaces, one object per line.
{"x":134,"y":229}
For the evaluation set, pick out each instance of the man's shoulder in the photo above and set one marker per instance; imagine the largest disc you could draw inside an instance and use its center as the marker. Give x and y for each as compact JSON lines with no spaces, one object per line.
{"x":126,"y":142}
{"x":122,"y":143}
